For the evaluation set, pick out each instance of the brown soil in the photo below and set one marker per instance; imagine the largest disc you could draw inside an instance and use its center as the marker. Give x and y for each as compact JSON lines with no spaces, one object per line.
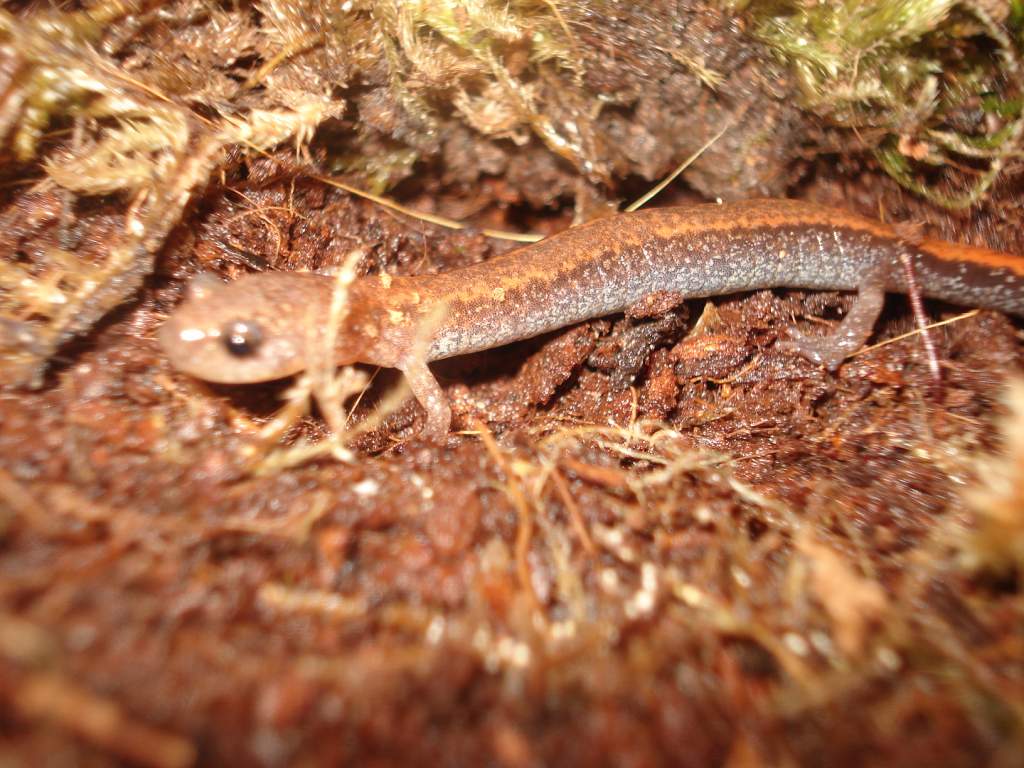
{"x":649,"y":541}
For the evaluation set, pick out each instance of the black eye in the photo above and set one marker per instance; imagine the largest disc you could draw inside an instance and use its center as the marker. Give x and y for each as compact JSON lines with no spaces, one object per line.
{"x":242,"y":339}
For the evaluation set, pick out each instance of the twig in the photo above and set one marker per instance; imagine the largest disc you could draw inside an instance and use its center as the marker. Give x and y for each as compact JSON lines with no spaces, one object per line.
{"x":575,"y":516}
{"x":908,"y":334}
{"x":914,"y":294}
{"x":99,"y":721}
{"x":441,"y":221}
{"x":525,"y":531}
{"x":646,"y":197}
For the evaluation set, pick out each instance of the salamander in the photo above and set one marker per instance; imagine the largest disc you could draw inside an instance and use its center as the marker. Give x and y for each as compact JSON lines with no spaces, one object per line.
{"x":261,"y":326}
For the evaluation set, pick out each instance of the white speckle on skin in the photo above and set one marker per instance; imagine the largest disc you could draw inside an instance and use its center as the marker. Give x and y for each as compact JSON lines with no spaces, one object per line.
{"x":192,"y":334}
{"x":385,"y":280}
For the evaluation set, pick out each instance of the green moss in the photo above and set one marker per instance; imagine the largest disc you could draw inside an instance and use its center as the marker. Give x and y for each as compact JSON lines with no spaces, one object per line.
{"x":1016,"y":18}
{"x":906,"y":73}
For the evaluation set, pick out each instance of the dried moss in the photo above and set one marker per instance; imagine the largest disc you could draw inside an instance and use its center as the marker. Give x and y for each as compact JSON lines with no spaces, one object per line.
{"x":154,"y":98}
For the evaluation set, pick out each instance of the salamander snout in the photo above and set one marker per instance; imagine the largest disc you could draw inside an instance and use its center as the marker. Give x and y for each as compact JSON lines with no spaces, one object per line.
{"x":234,"y":333}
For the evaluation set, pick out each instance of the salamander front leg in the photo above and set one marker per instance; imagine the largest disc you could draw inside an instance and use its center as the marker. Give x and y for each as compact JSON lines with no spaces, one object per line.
{"x":424,"y":386}
{"x":851,"y":333}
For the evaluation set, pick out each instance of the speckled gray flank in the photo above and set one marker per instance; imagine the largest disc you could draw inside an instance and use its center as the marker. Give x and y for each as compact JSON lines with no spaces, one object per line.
{"x":707,"y":263}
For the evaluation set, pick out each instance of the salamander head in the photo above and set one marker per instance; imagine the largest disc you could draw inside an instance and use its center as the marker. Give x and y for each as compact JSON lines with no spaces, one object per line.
{"x":257,"y":328}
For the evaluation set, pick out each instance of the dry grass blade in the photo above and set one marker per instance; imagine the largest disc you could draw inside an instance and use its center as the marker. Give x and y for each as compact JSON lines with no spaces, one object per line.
{"x":524,"y":533}
{"x":328,"y":385}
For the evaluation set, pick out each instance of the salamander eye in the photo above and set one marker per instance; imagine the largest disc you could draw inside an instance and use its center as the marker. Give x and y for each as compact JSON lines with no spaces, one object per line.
{"x":242,"y":338}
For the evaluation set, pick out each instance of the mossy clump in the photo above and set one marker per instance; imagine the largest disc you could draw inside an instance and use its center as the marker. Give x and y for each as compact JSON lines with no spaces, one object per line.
{"x":140,"y":103}
{"x":932,"y":87}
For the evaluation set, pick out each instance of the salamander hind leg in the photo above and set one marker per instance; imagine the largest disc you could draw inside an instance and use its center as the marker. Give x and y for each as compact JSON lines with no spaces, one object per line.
{"x":831,"y":350}
{"x":428,"y":392}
